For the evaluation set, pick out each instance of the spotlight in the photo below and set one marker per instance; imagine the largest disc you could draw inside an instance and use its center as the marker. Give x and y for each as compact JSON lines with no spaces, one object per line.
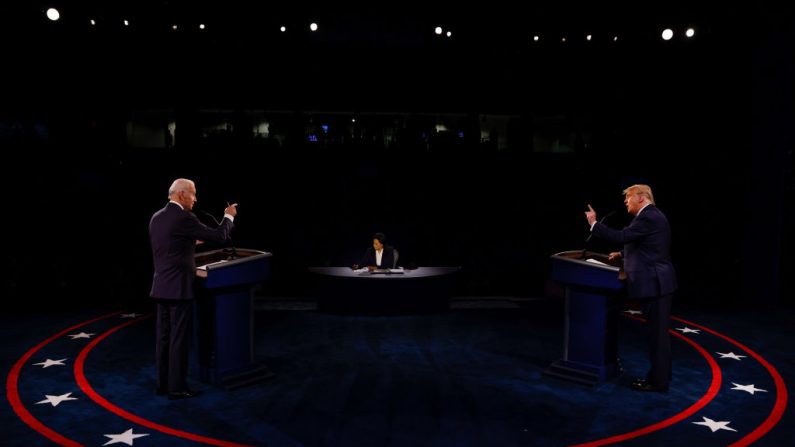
{"x":283,"y":29}
{"x":438,"y":30}
{"x":92,"y":22}
{"x":690,"y":32}
{"x":449,"y":33}
{"x":535,"y":38}
{"x":313,"y":26}
{"x":667,"y":34}
{"x":53,"y":14}
{"x":126,"y":23}
{"x":201,"y":26}
{"x":588,"y":37}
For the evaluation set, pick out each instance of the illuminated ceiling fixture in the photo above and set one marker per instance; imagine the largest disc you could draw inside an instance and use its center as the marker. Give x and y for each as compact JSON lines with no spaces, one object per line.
{"x":53,"y":14}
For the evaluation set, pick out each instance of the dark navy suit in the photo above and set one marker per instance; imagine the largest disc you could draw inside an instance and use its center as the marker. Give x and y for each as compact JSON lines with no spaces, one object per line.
{"x":650,"y":278}
{"x":387,"y":258}
{"x":173,"y":233}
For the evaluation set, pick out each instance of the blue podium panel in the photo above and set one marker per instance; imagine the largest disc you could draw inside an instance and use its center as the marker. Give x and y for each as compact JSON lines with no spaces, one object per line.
{"x":224,"y":326}
{"x":592,"y":284}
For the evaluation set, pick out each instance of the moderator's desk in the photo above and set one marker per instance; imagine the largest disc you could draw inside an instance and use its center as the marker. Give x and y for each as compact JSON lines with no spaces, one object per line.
{"x":425,"y":289}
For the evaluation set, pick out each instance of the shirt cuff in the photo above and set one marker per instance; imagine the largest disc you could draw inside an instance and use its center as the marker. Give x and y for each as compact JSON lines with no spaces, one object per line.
{"x":230,"y":217}
{"x":592,"y":225}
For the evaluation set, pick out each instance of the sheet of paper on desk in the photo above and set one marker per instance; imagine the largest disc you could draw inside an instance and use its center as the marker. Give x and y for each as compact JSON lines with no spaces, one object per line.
{"x":594,"y":261}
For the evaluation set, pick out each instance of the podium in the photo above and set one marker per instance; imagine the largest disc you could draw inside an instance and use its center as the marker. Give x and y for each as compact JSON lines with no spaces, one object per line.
{"x":223,"y":345}
{"x":590,"y":348}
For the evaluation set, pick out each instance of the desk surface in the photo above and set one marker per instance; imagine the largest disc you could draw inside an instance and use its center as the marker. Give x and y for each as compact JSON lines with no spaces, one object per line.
{"x":419,"y":272}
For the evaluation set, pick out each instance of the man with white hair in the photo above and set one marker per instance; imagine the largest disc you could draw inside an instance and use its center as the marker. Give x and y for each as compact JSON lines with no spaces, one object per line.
{"x":174,"y":232}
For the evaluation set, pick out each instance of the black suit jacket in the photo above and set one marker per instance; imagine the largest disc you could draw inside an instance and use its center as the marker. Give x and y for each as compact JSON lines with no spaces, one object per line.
{"x":647,"y":257}
{"x":387,"y":258}
{"x":173,"y":233}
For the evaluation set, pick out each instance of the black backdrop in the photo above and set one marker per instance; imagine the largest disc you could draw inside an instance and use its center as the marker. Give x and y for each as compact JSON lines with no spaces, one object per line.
{"x":673,"y":115}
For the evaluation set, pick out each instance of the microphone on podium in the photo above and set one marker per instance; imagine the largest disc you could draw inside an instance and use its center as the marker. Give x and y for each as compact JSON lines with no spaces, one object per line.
{"x":588,"y":239}
{"x":233,"y":250}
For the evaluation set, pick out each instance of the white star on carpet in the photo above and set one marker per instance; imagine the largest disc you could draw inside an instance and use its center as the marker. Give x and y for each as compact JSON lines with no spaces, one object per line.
{"x":81,"y":335}
{"x":730,"y":355}
{"x":132,"y":315}
{"x":687,"y":330}
{"x":632,"y":312}
{"x":749,"y":388}
{"x":47,"y":363}
{"x":126,"y":437}
{"x":55,"y":400}
{"x":715,"y":425}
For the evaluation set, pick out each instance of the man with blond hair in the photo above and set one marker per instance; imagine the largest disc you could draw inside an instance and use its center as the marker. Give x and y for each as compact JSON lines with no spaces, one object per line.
{"x":650,"y":275}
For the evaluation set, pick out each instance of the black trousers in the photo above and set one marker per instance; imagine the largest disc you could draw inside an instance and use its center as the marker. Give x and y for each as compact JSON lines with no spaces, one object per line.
{"x":658,"y":315}
{"x":174,"y":319}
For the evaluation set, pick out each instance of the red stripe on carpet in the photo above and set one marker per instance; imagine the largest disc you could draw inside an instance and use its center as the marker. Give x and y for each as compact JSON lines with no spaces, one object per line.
{"x":12,"y":390}
{"x":712,"y":391}
{"x":86,"y":387}
{"x":781,"y":389}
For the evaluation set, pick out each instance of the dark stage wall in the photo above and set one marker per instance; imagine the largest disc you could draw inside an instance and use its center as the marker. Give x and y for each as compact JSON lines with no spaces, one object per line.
{"x":674,"y":116}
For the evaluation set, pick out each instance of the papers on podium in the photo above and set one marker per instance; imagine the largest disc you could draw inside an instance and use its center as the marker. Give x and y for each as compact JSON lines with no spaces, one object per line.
{"x":205,"y":266}
{"x":398,"y":270}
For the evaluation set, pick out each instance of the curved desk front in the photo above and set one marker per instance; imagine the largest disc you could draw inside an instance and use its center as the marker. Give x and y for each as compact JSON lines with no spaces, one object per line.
{"x":424,"y":289}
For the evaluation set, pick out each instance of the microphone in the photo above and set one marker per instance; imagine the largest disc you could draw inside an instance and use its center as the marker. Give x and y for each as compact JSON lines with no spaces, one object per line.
{"x":588,"y":239}
{"x":232,"y":248}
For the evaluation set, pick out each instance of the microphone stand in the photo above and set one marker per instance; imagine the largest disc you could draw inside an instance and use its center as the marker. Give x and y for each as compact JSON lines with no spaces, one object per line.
{"x":588,"y":239}
{"x":233,"y":254}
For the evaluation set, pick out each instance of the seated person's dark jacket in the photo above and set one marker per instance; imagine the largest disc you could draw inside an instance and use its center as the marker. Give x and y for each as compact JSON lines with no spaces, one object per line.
{"x":387,"y":258}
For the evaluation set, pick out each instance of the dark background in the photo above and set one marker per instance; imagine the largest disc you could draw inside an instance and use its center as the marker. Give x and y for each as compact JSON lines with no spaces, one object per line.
{"x":672,"y":114}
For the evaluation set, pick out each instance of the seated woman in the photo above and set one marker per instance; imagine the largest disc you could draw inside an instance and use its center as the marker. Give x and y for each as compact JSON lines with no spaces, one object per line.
{"x":378,"y":256}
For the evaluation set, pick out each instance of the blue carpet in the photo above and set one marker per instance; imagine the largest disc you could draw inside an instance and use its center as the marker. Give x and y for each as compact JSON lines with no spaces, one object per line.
{"x":464,"y":378}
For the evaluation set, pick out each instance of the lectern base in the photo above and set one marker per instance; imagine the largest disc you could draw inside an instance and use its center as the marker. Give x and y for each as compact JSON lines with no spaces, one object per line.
{"x":582,"y":374}
{"x":256,"y":374}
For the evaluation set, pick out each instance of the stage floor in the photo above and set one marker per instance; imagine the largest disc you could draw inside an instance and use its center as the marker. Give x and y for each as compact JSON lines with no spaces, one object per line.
{"x":471,"y":376}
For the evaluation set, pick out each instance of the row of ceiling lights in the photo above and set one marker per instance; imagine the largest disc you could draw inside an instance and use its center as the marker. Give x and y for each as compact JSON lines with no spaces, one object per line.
{"x":667,"y":34}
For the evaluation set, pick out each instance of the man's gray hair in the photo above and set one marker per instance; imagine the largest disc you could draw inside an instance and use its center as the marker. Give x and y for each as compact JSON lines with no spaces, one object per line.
{"x":180,"y":184}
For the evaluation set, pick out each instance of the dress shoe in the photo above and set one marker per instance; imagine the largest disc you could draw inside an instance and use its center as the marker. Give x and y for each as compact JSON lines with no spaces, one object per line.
{"x":187,"y":394}
{"x":644,"y":385}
